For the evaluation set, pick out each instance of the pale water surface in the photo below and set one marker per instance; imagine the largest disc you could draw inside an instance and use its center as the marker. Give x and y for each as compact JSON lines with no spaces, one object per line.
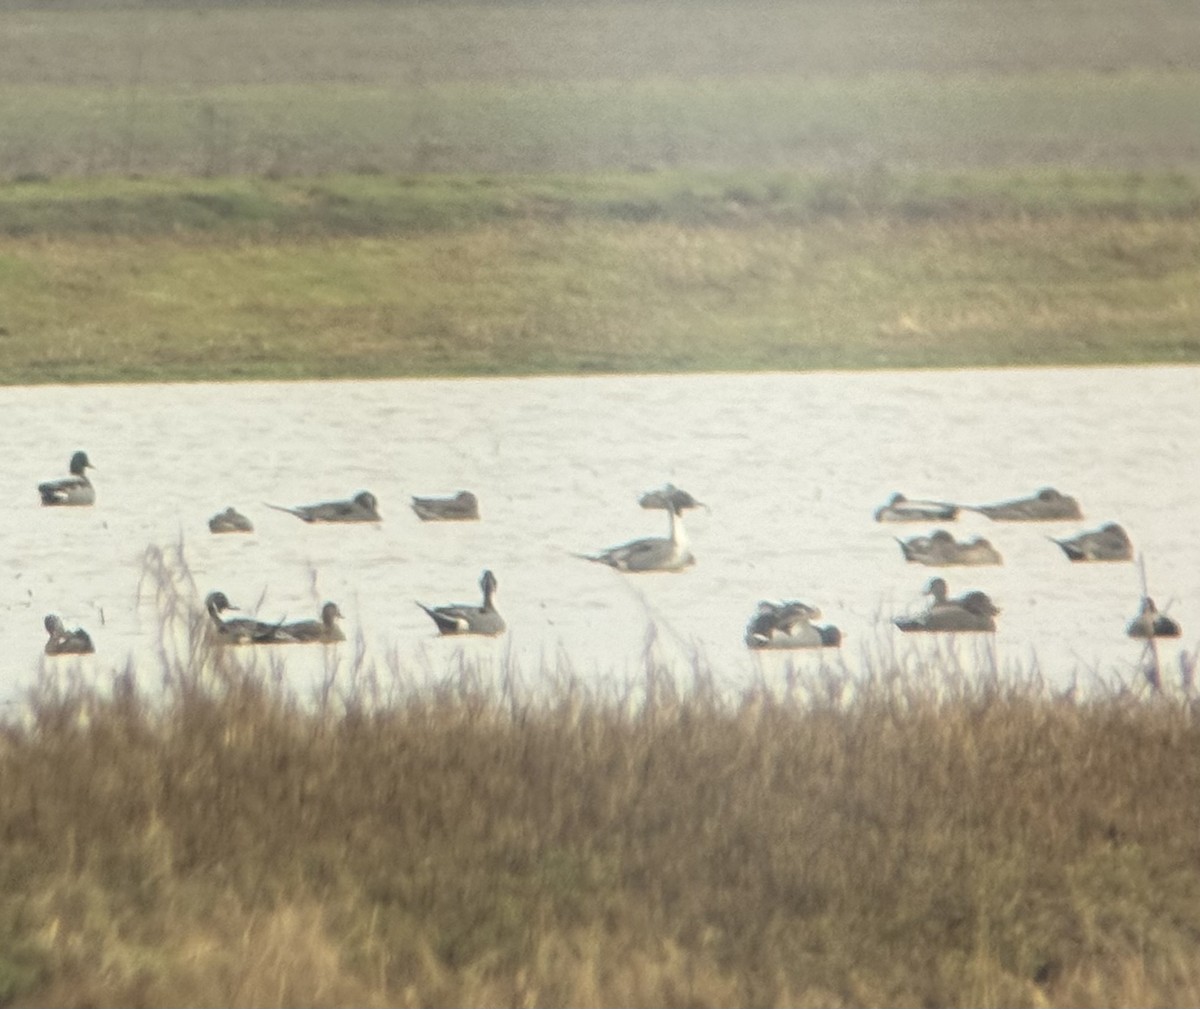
{"x":791,"y":466}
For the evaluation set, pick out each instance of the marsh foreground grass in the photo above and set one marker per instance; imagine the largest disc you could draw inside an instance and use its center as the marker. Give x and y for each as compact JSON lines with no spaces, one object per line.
{"x":197,"y":834}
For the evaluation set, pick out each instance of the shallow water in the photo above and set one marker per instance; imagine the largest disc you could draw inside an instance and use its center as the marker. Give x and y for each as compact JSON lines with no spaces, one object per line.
{"x":791,"y":467}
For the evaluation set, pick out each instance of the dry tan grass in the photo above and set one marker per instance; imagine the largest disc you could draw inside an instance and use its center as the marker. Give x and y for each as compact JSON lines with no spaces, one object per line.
{"x":922,"y":837}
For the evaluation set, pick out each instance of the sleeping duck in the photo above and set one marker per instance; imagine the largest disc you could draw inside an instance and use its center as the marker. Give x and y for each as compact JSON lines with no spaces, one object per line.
{"x":363,"y":507}
{"x":901,"y":509}
{"x":789,"y":625}
{"x":941,"y":549}
{"x":1108,"y":543}
{"x":64,"y":642}
{"x":230,"y":521}
{"x":1047,"y":505}
{"x":462,"y":507}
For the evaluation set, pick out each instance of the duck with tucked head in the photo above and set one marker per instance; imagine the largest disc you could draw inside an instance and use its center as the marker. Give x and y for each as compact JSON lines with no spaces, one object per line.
{"x":462,"y":507}
{"x":901,"y":509}
{"x":789,"y":625}
{"x":75,"y":489}
{"x":1108,"y":543}
{"x":324,"y":630}
{"x":1047,"y":505}
{"x":1150,"y":623}
{"x":669,"y":496}
{"x":972,"y":611}
{"x":363,"y":507}
{"x":64,"y":642}
{"x":230,"y":521}
{"x":652,"y":554}
{"x":240,"y":630}
{"x":463,"y":618}
{"x":941,"y":549}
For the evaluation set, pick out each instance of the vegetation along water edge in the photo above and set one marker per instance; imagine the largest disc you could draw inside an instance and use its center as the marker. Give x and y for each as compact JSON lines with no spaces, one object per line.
{"x":196,"y":833}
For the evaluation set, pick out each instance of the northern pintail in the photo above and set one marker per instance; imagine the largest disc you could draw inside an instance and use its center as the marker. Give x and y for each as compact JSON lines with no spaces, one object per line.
{"x":462,"y":507}
{"x":239,"y":630}
{"x":652,"y":554}
{"x":64,"y":642}
{"x":230,"y":521}
{"x":941,"y":549}
{"x":324,"y":630}
{"x":901,"y":509}
{"x":75,"y":489}
{"x":1047,"y":505}
{"x":667,"y":496}
{"x":1149,"y":623}
{"x":789,"y":625}
{"x":361,"y":508}
{"x":1108,"y":543}
{"x":973,"y":611}
{"x":462,"y":618}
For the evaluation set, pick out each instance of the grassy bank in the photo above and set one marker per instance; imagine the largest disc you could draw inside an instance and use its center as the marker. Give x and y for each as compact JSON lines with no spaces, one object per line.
{"x":474,"y":188}
{"x":919,"y":838}
{"x":413,"y":276}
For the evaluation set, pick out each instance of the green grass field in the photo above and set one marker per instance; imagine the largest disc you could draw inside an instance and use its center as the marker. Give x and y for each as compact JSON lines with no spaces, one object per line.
{"x":296,"y":190}
{"x":433,"y":275}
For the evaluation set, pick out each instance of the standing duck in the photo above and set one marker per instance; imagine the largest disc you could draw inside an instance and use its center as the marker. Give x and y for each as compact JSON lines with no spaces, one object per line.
{"x":652,"y":554}
{"x":973,"y":611}
{"x":462,"y":618}
{"x":363,"y":507}
{"x":75,"y":489}
{"x":64,"y":642}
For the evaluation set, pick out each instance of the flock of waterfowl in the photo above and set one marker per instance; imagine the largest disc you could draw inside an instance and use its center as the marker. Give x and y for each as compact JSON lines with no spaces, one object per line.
{"x":789,"y":624}
{"x":456,"y":618}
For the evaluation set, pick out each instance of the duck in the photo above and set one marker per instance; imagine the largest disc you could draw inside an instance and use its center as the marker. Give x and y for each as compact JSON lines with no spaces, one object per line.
{"x":240,"y":630}
{"x":462,"y":618}
{"x":324,"y":630}
{"x":789,"y":625}
{"x":668,"y":495}
{"x":1047,"y":505}
{"x":230,"y":521}
{"x":1108,"y":543}
{"x":1149,"y":623}
{"x":973,"y":611}
{"x":75,"y":489}
{"x":901,"y":509}
{"x":64,"y":642}
{"x":462,"y":507}
{"x":941,"y":549}
{"x":363,"y":507}
{"x":652,"y":554}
